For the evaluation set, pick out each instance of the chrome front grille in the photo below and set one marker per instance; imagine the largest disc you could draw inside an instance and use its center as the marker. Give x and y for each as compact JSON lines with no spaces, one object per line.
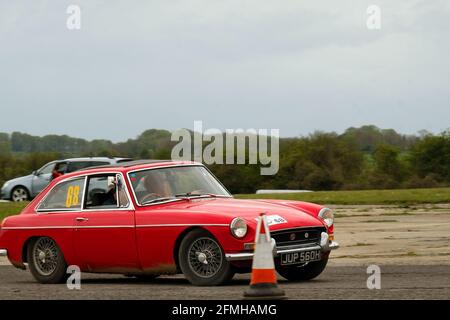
{"x":297,"y":236}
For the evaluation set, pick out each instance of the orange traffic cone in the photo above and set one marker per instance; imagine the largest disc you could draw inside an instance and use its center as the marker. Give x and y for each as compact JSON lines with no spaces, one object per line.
{"x":263,"y":284}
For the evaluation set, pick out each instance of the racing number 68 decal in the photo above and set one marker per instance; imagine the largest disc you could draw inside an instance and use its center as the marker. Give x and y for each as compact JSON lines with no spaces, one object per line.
{"x":72,"y":196}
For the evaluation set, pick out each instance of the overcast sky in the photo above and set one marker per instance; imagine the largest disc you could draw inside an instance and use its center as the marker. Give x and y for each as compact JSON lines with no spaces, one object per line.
{"x":298,"y":66}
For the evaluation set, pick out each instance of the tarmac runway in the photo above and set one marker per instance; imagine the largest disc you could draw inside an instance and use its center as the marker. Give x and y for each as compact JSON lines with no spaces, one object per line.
{"x":336,"y":282}
{"x":411,"y":245}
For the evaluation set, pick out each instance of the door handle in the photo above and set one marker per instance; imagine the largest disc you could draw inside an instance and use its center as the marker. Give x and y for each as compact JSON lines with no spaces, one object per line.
{"x":81,"y":219}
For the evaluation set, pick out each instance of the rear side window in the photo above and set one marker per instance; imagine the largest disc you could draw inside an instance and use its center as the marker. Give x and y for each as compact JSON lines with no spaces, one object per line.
{"x":64,"y":196}
{"x":78,"y":165}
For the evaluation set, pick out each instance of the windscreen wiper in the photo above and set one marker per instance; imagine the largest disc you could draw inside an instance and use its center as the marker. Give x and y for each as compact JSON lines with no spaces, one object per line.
{"x":160,"y":200}
{"x":190,"y":194}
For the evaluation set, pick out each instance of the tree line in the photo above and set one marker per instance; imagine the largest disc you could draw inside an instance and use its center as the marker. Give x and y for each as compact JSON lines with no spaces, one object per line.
{"x":360,"y":158}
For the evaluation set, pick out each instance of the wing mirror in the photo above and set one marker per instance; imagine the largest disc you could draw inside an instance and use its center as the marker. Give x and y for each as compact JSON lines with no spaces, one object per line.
{"x":119,"y":188}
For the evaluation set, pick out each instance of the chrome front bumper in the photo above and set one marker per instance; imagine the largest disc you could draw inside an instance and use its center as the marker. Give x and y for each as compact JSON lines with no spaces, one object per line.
{"x":325,"y":246}
{"x":3,"y":253}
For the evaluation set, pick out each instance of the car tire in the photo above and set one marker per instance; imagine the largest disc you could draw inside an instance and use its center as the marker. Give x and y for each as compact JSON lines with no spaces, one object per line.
{"x":202,"y":260}
{"x":303,"y":273}
{"x":46,"y":261}
{"x":19,"y":194}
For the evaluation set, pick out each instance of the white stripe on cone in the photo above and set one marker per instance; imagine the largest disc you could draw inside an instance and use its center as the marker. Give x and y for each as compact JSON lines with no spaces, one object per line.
{"x":263,"y":256}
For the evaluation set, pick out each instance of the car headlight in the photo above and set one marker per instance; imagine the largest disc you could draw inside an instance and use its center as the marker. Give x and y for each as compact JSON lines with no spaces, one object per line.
{"x":327,"y":216}
{"x":238,"y":227}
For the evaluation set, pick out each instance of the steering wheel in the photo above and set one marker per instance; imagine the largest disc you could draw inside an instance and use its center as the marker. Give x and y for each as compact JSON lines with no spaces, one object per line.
{"x":150,"y":195}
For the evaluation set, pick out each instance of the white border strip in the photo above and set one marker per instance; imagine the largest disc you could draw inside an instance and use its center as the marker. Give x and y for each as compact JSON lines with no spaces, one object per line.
{"x":183,"y":225}
{"x":67,"y":227}
{"x":120,"y":226}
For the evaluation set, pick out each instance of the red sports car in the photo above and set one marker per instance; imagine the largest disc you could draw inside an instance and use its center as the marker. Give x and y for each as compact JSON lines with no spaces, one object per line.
{"x":148,"y":218}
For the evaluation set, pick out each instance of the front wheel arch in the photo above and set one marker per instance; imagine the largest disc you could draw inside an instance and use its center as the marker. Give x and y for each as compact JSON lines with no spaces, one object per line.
{"x":176,"y":248}
{"x":223,"y":273}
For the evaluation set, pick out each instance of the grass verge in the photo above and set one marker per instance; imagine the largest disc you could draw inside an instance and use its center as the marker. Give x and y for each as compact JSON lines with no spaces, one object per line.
{"x":360,"y":197}
{"x":11,"y":208}
{"x":396,"y":197}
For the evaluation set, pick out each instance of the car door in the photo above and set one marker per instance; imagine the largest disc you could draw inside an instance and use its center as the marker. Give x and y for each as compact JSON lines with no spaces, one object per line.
{"x":42,"y":178}
{"x":104,"y":236}
{"x":57,"y":210}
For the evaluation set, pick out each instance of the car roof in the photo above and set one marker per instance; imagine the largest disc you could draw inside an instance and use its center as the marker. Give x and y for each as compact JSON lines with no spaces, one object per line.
{"x":106,"y":159}
{"x":126,"y":166}
{"x":138,"y":164}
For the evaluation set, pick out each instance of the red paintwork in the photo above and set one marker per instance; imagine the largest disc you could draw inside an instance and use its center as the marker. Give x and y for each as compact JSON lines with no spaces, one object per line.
{"x":133,"y":248}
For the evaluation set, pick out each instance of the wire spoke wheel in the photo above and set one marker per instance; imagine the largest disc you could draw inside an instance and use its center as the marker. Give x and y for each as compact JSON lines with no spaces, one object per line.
{"x":45,"y":256}
{"x":202,"y":259}
{"x":205,"y":257}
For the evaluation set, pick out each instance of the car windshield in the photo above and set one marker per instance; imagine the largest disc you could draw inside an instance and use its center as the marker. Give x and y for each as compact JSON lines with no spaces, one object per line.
{"x":157,"y":185}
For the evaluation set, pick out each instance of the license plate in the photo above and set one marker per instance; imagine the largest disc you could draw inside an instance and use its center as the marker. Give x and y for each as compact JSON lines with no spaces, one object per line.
{"x":299,"y":257}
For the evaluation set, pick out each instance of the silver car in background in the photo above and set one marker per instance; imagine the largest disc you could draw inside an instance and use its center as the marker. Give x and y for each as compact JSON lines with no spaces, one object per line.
{"x":27,"y":187}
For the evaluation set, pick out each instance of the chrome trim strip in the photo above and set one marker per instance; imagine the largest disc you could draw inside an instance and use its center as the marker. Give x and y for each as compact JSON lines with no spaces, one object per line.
{"x":103,"y":227}
{"x":183,"y":225}
{"x":67,"y":227}
{"x":317,"y":247}
{"x":119,"y":226}
{"x":85,"y":189}
{"x":294,"y":228}
{"x":238,"y":256}
{"x":36,"y":228}
{"x":249,"y":255}
{"x":3,"y":253}
{"x":106,"y":209}
{"x":49,"y":211}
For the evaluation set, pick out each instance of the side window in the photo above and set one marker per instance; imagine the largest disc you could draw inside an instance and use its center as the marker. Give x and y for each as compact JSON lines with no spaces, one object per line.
{"x":106,"y":191}
{"x":64,"y":196}
{"x":61,"y":167}
{"x":47,"y":169}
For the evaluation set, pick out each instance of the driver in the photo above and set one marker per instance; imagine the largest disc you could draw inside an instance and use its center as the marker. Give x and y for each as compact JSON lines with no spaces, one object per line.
{"x":157,"y":186}
{"x":56,"y":172}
